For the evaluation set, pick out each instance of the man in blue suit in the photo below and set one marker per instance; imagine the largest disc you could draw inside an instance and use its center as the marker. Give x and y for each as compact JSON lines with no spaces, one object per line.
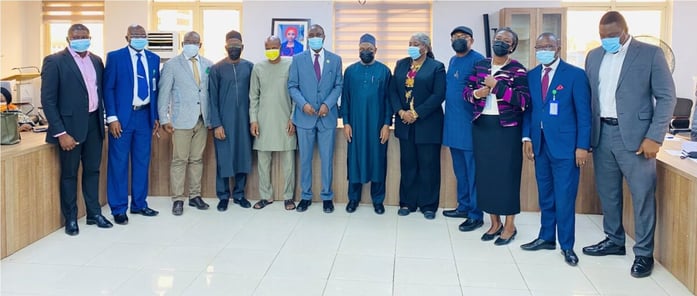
{"x":314,"y":84}
{"x":557,"y":132}
{"x":130,"y":97}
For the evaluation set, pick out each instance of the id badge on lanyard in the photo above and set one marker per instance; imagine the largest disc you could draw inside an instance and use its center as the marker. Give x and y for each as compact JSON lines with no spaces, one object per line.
{"x":554,"y":105}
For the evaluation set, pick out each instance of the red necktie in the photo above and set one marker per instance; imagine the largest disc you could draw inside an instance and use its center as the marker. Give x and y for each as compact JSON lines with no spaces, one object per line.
{"x":318,"y":73}
{"x":545,"y":83}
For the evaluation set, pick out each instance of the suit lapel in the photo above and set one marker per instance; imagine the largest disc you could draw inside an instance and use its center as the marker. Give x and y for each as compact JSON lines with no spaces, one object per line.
{"x":556,"y":80}
{"x":184,"y":63}
{"x":74,"y":68}
{"x":632,"y":53}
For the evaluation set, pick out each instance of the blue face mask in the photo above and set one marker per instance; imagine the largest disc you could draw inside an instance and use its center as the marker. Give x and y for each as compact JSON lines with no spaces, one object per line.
{"x":80,"y":45}
{"x":545,"y":57}
{"x":611,"y":44}
{"x":139,"y":43}
{"x":190,"y":50}
{"x":316,"y":43}
{"x":414,"y":52}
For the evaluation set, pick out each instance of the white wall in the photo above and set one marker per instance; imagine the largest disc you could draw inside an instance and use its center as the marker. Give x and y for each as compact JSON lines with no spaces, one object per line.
{"x":119,"y":15}
{"x":685,"y":47}
{"x":21,"y":40}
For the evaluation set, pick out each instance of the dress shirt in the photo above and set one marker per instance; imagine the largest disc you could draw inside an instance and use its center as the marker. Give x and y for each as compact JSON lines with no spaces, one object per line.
{"x":191,"y":66}
{"x":553,"y":70}
{"x":609,"y":76}
{"x":492,"y":106}
{"x":320,"y":59}
{"x":134,"y":59}
{"x":89,"y":75}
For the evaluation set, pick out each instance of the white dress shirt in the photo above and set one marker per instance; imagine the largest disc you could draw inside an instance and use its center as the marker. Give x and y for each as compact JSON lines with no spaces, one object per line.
{"x":320,"y":60}
{"x":492,"y":106}
{"x":134,"y":59}
{"x":609,"y":76}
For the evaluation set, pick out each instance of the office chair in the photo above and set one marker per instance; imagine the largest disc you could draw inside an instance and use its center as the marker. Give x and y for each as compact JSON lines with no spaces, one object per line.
{"x":680,"y":123}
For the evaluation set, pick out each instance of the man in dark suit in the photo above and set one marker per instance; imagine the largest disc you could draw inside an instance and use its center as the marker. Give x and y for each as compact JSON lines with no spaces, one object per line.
{"x":130,"y":95}
{"x":633,"y":101}
{"x":557,"y":133}
{"x":71,"y":95}
{"x":314,"y":84}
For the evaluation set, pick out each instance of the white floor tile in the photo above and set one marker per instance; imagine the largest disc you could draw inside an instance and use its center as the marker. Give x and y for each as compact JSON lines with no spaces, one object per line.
{"x":278,"y":252}
{"x":211,"y":284}
{"x":336,"y":287}
{"x":363,"y":268}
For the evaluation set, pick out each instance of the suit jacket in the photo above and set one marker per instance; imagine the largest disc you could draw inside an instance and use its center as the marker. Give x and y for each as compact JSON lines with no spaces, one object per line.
{"x":571,"y":127}
{"x":64,"y":96}
{"x":644,"y":79}
{"x":305,"y":89}
{"x":428,"y":94}
{"x":180,"y":96}
{"x":119,"y":84}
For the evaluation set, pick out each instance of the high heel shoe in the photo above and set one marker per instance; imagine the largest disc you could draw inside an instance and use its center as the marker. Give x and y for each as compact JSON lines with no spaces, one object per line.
{"x":490,"y":236}
{"x":504,"y":241}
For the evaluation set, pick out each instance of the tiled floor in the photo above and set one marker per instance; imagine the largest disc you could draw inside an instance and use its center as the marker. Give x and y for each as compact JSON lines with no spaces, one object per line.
{"x":275,"y":252}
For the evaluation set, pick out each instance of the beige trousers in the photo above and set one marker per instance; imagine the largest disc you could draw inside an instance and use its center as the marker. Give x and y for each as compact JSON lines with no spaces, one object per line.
{"x":188,"y":146}
{"x":264,"y":167}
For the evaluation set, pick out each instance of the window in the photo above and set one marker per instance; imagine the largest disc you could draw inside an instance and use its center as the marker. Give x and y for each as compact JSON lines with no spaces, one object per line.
{"x":59,"y":15}
{"x":391,"y":22}
{"x":209,"y":18}
{"x":644,"y":17}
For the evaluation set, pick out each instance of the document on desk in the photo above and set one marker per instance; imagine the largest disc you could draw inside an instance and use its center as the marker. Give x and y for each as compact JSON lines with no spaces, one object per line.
{"x":689,"y":146}
{"x":673,"y":152}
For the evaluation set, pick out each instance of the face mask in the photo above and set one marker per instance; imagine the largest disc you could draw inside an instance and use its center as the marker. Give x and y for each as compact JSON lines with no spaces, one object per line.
{"x":367,"y":57}
{"x":234,"y":53}
{"x":459,"y":45}
{"x":272,"y":54}
{"x":545,"y":57}
{"x":414,"y":52}
{"x":139,"y":43}
{"x":611,"y":44}
{"x":190,"y":50}
{"x":316,"y":43}
{"x":80,"y":45}
{"x":501,"y":48}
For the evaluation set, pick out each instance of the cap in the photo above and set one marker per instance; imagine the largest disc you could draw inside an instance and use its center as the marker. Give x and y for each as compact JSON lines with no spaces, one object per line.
{"x":367,"y":38}
{"x":462,"y":29}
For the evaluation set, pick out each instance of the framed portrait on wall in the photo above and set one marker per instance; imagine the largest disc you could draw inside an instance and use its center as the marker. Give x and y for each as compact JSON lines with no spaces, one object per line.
{"x":292,"y":33}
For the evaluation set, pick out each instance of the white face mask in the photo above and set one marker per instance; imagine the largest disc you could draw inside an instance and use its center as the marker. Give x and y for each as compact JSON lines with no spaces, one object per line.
{"x":190,"y":50}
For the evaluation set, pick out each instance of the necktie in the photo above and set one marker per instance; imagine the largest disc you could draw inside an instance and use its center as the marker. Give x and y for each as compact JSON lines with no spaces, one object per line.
{"x":142,"y":78}
{"x":545,"y":83}
{"x":197,"y":76}
{"x":318,"y":73}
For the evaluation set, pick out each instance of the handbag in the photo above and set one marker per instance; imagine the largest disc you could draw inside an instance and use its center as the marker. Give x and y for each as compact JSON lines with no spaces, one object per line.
{"x":9,"y":131}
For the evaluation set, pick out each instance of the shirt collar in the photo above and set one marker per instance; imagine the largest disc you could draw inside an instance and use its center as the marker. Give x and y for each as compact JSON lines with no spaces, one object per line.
{"x":553,"y":65}
{"x":625,"y":46}
{"x":134,"y":52}
{"x":75,"y":54}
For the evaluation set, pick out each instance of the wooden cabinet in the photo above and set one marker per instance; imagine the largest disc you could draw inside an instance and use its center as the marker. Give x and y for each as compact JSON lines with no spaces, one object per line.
{"x":529,"y":23}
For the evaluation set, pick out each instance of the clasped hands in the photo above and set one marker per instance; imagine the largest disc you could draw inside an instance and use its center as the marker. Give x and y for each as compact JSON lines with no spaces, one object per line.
{"x":483,"y":92}
{"x":309,"y":110}
{"x":407,"y":117}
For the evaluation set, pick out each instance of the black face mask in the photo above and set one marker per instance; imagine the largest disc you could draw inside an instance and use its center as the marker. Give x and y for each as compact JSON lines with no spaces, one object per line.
{"x":234,"y":53}
{"x":459,"y":45}
{"x":501,"y":48}
{"x":367,"y":57}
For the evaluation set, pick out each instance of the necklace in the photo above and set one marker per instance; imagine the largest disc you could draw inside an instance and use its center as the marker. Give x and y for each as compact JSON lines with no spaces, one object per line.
{"x":508,"y":59}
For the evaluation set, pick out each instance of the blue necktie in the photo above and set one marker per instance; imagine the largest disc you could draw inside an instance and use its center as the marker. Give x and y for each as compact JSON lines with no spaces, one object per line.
{"x":142,"y":79}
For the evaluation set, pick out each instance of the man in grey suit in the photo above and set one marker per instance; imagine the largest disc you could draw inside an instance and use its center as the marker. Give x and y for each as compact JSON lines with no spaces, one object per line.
{"x":314,"y":84}
{"x":633,"y":96}
{"x":183,"y":109}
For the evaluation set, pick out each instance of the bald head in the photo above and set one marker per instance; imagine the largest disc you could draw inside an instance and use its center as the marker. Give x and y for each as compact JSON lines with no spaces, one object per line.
{"x":272,"y":42}
{"x":549,"y":37}
{"x":192,"y":38}
{"x":135,"y":30}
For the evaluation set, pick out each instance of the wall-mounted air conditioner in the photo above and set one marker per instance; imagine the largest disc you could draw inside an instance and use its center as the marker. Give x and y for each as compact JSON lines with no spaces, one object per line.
{"x":164,"y":44}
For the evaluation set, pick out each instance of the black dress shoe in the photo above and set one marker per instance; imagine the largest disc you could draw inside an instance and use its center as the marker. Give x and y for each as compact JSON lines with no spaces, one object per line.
{"x":403,"y":211}
{"x":379,"y":208}
{"x":489,"y":236}
{"x":570,"y":257}
{"x":328,"y":206}
{"x":100,"y":220}
{"x":430,"y":215}
{"x":121,"y":219}
{"x":470,"y":224}
{"x":243,"y":202}
{"x":454,"y":214}
{"x":147,"y":212}
{"x":222,"y":204}
{"x":642,"y":266}
{"x":178,"y":208}
{"x":605,"y":247}
{"x":71,"y":227}
{"x":198,"y":203}
{"x":539,"y":244}
{"x":504,"y":241}
{"x":351,"y":206}
{"x":303,"y":205}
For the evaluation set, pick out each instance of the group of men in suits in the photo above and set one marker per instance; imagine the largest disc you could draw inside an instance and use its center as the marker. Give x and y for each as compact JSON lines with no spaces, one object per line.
{"x":618,"y":108}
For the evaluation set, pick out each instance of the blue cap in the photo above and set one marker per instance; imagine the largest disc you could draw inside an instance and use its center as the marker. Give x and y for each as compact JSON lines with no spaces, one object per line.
{"x":462,"y":29}
{"x":367,"y":38}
